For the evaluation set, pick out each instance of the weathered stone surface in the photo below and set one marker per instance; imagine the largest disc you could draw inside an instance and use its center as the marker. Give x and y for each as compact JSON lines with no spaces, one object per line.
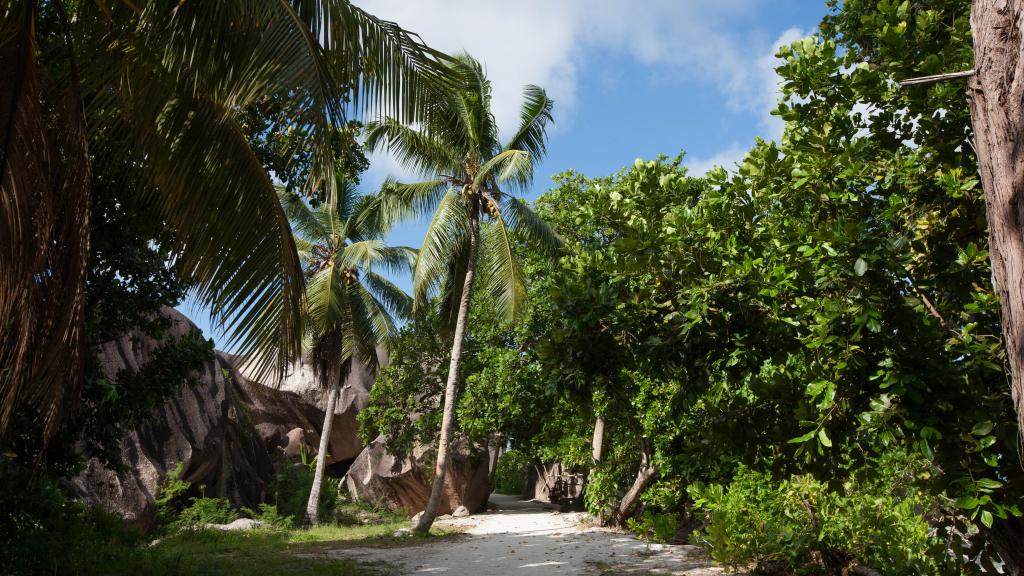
{"x":226,"y":432}
{"x":379,"y":477}
{"x":460,"y":512}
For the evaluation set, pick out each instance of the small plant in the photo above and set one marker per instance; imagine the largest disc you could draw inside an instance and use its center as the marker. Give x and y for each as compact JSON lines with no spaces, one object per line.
{"x":203,"y":511}
{"x":170,"y":496}
{"x":268,"y":514}
{"x":655,"y":526}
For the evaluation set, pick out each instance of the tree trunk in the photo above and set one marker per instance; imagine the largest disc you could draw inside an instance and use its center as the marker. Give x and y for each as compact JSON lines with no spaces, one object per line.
{"x":996,"y":93}
{"x":313,"y":506}
{"x":494,"y":450}
{"x":451,"y":391}
{"x":598,"y":443}
{"x":644,"y":476}
{"x":1007,"y":537}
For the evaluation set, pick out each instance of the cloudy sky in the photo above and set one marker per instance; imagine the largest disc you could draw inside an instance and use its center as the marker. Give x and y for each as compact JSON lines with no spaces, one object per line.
{"x":630,"y":78}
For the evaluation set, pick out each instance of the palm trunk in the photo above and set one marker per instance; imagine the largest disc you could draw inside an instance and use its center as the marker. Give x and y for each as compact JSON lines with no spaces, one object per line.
{"x":996,"y":93}
{"x":451,"y":391}
{"x":597,"y":445}
{"x":644,"y":476}
{"x":313,"y":506}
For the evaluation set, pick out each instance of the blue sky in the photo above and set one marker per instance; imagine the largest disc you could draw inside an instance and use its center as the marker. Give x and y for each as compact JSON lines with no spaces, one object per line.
{"x":630,"y":78}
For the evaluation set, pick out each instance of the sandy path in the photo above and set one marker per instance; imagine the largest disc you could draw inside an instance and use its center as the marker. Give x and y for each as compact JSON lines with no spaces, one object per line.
{"x":524,"y":538}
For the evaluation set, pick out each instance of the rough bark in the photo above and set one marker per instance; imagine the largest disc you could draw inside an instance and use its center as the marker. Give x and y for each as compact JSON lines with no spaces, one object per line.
{"x":313,"y":506}
{"x":597,"y":444}
{"x":996,"y":93}
{"x":644,"y":477}
{"x":452,"y":388}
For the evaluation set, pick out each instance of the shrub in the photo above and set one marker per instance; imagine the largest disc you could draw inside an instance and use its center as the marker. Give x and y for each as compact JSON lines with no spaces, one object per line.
{"x":656,"y":526}
{"x":268,"y":514}
{"x":802,"y":524}
{"x":203,"y":511}
{"x":171,"y":496}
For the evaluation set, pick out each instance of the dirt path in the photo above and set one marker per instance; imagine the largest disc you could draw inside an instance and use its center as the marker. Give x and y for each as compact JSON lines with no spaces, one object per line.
{"x":524,"y":538}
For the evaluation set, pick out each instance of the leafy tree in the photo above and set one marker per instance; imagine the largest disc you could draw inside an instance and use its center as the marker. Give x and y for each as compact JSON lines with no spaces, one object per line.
{"x":457,"y":144}
{"x":171,"y":79}
{"x":349,"y":305}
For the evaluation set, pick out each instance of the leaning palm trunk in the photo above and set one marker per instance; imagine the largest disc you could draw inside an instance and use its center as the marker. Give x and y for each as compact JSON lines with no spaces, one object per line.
{"x":313,"y":506}
{"x":451,"y":391}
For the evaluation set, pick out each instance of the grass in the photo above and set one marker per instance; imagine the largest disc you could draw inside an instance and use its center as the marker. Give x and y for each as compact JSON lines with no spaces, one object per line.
{"x":260,"y":552}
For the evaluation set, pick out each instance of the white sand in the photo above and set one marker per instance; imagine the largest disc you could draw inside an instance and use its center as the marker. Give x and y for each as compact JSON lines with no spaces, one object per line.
{"x":524,"y":538}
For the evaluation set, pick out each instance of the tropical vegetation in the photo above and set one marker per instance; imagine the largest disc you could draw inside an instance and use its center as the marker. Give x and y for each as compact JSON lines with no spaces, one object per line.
{"x":803,"y":364}
{"x":477,"y":220}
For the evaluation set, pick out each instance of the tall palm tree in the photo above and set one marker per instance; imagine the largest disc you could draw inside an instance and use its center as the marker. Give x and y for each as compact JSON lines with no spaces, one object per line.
{"x":169,"y":79}
{"x":350,"y":308}
{"x":457,"y":145}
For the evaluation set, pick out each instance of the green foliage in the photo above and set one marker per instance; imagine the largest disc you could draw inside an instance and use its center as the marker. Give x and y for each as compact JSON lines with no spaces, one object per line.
{"x":290,"y":486}
{"x":656,"y":526}
{"x":801,"y":523}
{"x":43,"y":532}
{"x":511,"y":474}
{"x":202,"y":511}
{"x":171,"y":495}
{"x":268,"y":514}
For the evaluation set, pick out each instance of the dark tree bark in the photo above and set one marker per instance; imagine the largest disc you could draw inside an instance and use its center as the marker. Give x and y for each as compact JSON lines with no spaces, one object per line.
{"x":996,"y":93}
{"x":452,"y":388}
{"x":644,"y":477}
{"x":1007,"y":537}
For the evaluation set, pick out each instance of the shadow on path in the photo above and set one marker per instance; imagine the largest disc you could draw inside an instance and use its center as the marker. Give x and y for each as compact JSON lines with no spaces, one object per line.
{"x":526,"y":538}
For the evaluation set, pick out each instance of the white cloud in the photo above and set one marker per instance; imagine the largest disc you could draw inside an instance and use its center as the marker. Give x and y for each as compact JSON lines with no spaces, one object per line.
{"x":547,"y":43}
{"x":727,"y":158}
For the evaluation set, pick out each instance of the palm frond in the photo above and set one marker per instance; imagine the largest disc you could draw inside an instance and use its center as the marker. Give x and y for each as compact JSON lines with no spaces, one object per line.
{"x":45,"y":191}
{"x":502,"y":275}
{"x":534,"y":119}
{"x":303,"y":219}
{"x":526,"y":224}
{"x":397,"y":201}
{"x":514,"y":167}
{"x":412,"y":148}
{"x":448,"y":231}
{"x":391,"y":296}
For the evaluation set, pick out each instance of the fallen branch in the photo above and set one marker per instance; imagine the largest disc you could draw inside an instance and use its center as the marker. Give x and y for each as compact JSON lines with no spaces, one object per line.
{"x":935,"y":78}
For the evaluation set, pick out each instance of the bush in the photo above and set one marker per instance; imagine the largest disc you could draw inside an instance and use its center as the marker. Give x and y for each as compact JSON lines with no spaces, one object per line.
{"x":802,"y":524}
{"x":512,"y":472}
{"x":203,"y":511}
{"x":268,"y":514}
{"x":171,"y":496}
{"x":656,"y":526}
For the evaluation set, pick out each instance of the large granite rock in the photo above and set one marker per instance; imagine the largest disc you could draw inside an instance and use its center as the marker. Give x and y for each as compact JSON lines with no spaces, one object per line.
{"x":404,"y":483}
{"x":226,"y":431}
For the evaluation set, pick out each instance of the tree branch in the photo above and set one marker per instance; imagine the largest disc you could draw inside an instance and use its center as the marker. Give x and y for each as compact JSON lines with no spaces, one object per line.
{"x":935,"y":78}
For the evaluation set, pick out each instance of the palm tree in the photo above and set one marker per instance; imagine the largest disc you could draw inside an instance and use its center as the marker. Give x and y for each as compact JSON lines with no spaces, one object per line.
{"x":457,"y":144}
{"x":349,"y":306}
{"x":168,"y":80}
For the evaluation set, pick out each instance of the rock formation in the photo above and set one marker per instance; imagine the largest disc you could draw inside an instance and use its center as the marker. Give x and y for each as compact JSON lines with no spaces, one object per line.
{"x":226,"y":431}
{"x":404,"y":483}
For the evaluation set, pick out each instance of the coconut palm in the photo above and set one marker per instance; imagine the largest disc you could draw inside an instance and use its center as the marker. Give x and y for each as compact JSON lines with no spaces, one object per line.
{"x":168,"y":80}
{"x":476,"y":219}
{"x":350,"y":307}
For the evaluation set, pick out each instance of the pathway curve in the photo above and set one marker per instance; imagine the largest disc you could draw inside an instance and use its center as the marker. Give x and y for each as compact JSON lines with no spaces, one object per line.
{"x":524,"y":538}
